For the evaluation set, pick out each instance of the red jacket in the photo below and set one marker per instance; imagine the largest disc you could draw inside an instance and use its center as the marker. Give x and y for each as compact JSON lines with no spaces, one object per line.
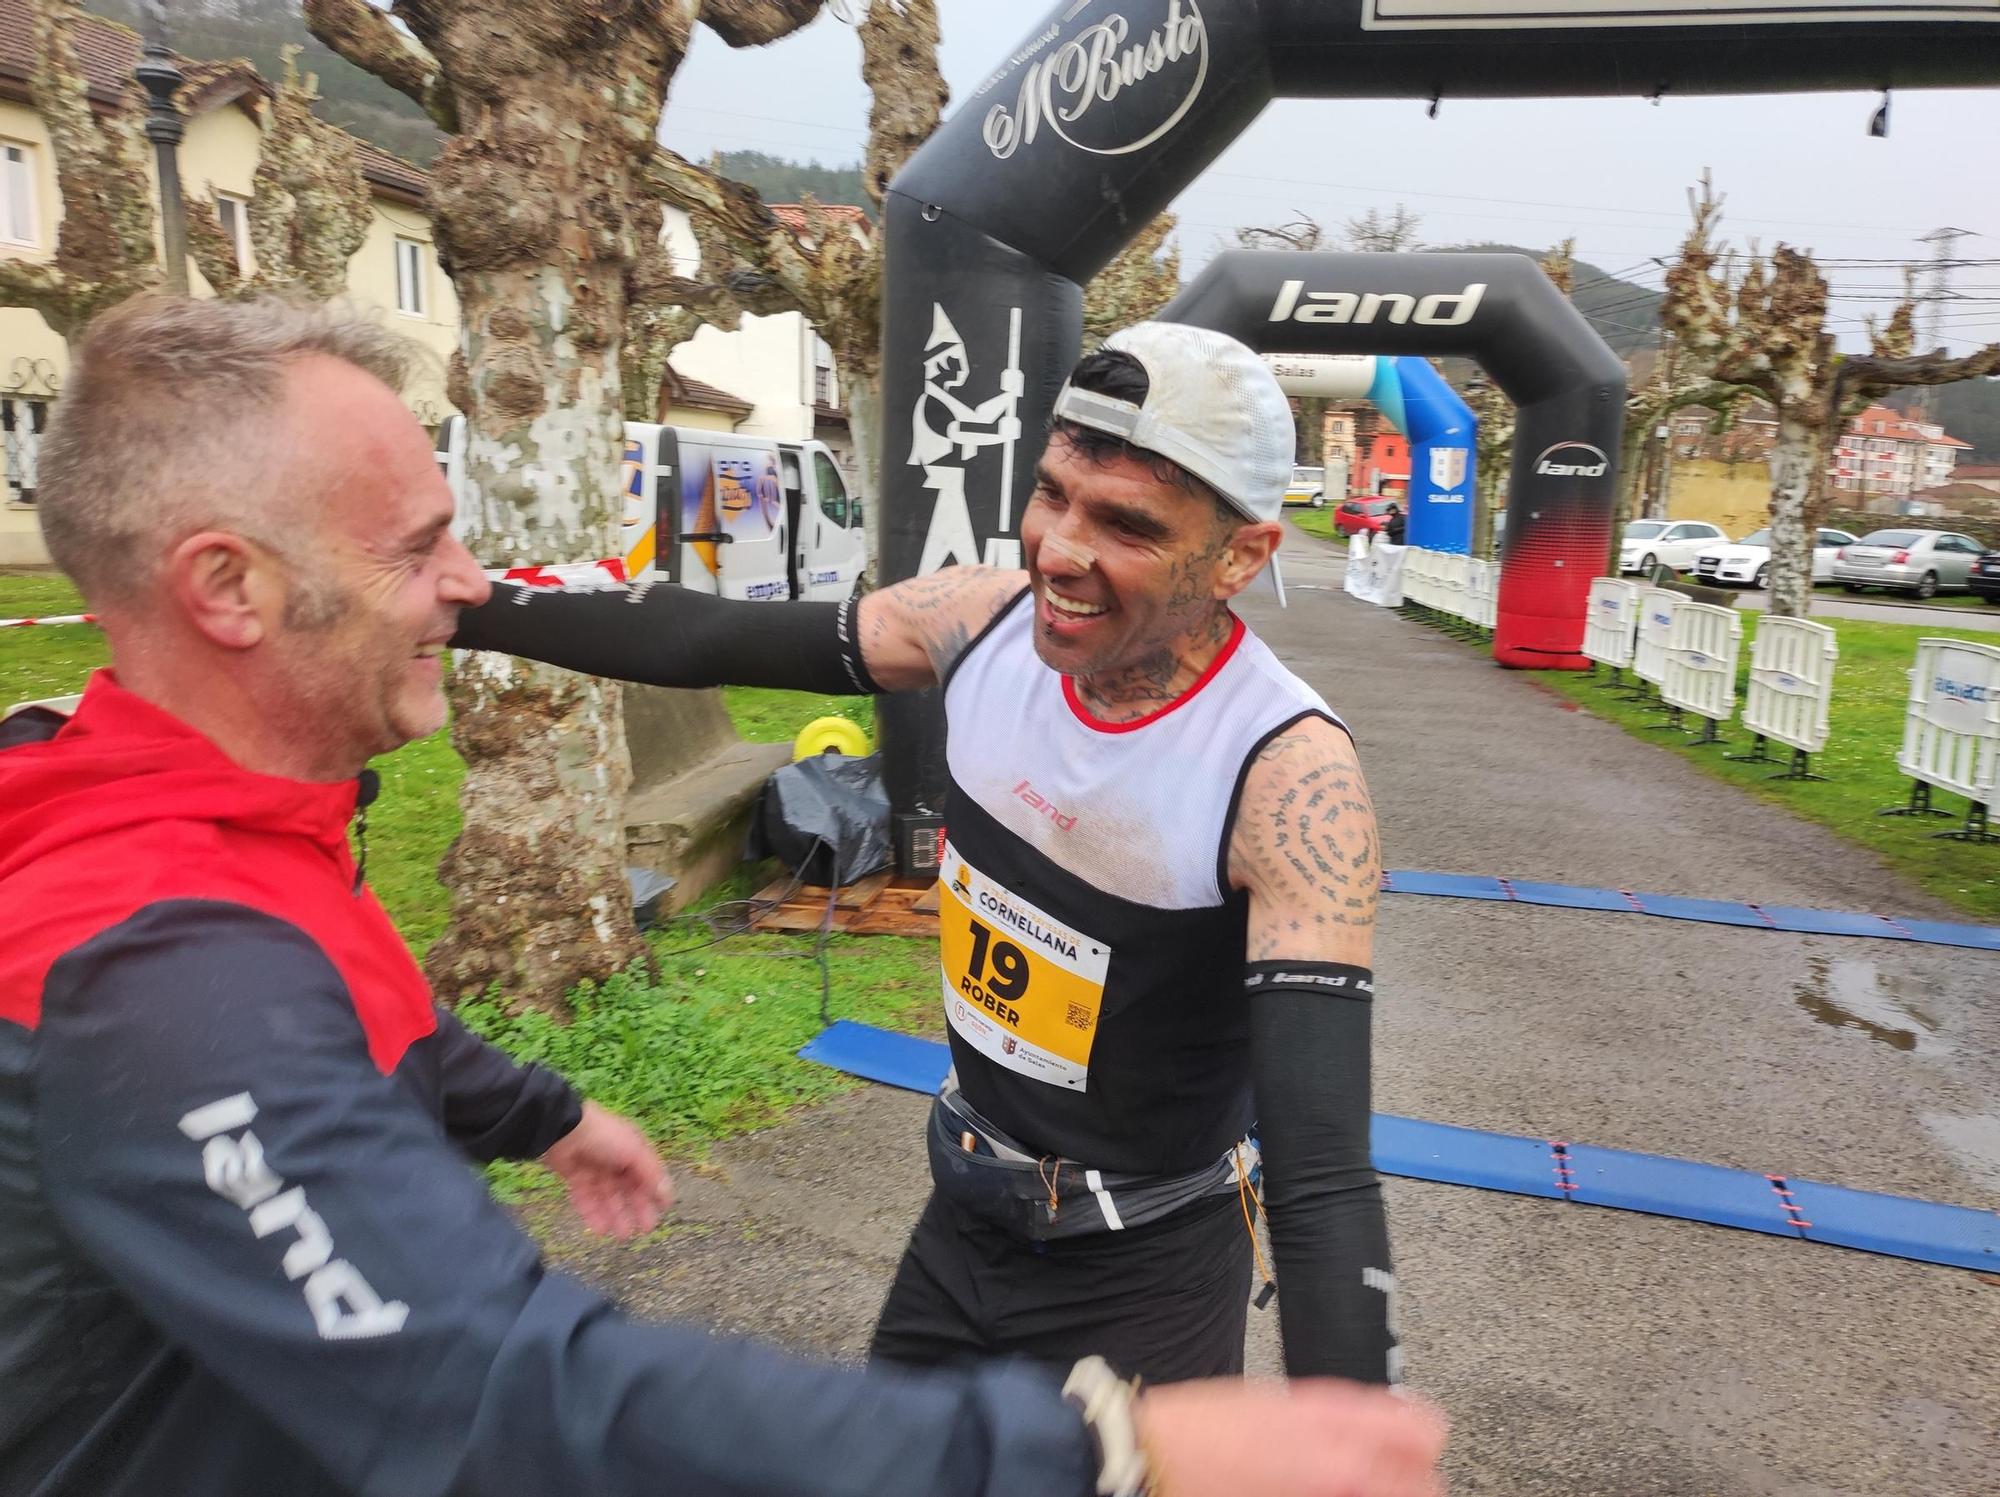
{"x":241,"y":1250}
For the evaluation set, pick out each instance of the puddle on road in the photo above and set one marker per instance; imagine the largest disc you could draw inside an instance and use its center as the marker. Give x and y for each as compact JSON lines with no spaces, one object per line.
{"x":1857,"y":995}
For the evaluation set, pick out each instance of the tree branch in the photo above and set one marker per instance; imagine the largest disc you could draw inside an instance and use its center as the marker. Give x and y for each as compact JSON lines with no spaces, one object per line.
{"x":753,"y":23}
{"x":906,"y":91}
{"x":1937,"y":368}
{"x":364,"y":36}
{"x":212,"y":250}
{"x":751,"y":230}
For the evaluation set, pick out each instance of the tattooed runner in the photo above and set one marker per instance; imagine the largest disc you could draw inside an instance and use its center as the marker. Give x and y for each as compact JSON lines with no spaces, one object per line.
{"x":1157,"y":896}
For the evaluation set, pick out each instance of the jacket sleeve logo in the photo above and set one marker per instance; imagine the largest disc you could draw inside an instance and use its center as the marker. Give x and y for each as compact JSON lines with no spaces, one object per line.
{"x":343,"y":1306}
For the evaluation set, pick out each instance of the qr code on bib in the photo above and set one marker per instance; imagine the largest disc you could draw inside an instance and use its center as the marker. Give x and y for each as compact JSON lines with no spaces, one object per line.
{"x":1078,"y":1016}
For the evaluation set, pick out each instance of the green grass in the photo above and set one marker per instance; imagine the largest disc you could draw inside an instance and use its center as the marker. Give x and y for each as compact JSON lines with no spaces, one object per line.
{"x":683,"y":1055}
{"x":765,"y":716}
{"x":688,"y":1055}
{"x":44,"y":662}
{"x":1866,"y":729}
{"x":1317,"y":522}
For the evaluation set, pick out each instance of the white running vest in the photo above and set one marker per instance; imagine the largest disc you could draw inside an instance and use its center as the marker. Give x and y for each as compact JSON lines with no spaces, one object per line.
{"x":1140,"y":809}
{"x":1091,"y":949}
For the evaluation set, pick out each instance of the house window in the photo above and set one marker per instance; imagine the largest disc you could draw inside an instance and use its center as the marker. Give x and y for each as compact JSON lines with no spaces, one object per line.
{"x":411,"y":298}
{"x":233,"y":213}
{"x":23,"y":419}
{"x":17,"y":193}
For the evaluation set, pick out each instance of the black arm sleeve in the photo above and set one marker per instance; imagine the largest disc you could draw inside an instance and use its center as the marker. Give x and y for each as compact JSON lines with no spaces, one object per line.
{"x":494,"y":1108}
{"x":1309,"y":1026}
{"x":669,"y":636}
{"x":215,"y":1137}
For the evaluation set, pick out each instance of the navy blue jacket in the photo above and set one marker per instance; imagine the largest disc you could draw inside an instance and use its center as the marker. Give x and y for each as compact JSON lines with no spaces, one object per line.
{"x":241,"y":1247}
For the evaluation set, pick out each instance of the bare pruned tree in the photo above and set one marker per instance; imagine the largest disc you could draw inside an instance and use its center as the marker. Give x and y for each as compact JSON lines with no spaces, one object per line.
{"x":1144,"y":277}
{"x":547,"y":214}
{"x":105,"y":248}
{"x":831,"y":270}
{"x":1765,"y":329}
{"x":309,"y":207}
{"x":1379,"y":233}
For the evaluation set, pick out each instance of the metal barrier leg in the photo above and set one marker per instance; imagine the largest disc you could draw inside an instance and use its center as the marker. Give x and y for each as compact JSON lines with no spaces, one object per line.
{"x":1798,"y":771}
{"x":1977,"y":827}
{"x":1759,"y":755}
{"x":1708,"y":733}
{"x":1673,"y":722}
{"x":1920,"y":803}
{"x":1616,"y":681}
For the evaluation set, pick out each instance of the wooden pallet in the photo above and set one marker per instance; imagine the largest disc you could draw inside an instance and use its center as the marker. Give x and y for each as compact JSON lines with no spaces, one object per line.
{"x":876,"y":906}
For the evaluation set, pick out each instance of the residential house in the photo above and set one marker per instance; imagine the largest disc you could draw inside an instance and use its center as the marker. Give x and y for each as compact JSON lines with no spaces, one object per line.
{"x":778,"y":363}
{"x":1883,"y":454}
{"x":395,"y":269}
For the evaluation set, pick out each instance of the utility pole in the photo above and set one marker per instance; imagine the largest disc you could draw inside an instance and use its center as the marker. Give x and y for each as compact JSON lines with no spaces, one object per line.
{"x":161,"y":78}
{"x":1937,"y":291}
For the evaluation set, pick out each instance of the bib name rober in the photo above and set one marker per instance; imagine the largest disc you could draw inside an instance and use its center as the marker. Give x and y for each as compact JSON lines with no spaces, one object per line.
{"x":1021,"y":987}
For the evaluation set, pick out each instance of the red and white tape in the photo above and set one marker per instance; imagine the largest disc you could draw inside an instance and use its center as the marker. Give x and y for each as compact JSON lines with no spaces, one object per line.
{"x":66,"y":618}
{"x":607,"y":573}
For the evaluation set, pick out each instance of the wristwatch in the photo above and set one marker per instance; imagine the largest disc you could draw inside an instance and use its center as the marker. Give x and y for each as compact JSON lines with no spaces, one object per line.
{"x":1106,"y":1402}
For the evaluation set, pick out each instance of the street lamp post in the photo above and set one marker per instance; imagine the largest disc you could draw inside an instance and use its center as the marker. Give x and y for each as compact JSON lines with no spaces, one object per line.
{"x":158,"y":75}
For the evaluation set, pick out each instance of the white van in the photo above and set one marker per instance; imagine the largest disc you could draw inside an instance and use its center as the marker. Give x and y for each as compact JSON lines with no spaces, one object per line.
{"x":737,"y":516}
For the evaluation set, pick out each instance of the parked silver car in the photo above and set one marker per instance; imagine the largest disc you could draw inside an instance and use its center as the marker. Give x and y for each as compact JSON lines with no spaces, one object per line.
{"x":1924,"y":562}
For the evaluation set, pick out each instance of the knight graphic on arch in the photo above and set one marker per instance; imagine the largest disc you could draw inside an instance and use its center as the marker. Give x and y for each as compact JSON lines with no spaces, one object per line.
{"x":948,"y":431}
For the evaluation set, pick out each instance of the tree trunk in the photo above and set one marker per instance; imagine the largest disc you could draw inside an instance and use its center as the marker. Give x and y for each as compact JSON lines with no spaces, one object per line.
{"x":864,"y":424}
{"x":537,"y":221}
{"x":1312,"y":432}
{"x":1799,"y":453}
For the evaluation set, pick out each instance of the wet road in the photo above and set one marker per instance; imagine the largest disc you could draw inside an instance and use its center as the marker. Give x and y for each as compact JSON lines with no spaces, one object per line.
{"x":1580,"y":1352}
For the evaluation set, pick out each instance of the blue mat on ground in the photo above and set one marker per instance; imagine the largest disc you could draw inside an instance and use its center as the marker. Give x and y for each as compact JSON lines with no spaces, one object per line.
{"x":1678,"y":907}
{"x":1957,"y":1236}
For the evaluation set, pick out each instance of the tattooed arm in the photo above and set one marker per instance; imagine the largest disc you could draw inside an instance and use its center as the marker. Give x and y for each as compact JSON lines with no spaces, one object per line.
{"x":912,"y":632}
{"x":1304,"y":848}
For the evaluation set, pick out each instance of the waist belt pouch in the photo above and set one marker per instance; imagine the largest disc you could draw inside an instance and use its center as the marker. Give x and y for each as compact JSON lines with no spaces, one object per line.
{"x":1013,"y":1194}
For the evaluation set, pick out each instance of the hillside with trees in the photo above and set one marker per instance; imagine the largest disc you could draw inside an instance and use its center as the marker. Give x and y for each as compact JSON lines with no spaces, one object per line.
{"x":358,"y":102}
{"x":777,"y":180}
{"x":1625,"y":313}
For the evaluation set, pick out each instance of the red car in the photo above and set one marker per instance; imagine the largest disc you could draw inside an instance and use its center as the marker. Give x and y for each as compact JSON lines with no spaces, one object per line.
{"x":1371,"y":515}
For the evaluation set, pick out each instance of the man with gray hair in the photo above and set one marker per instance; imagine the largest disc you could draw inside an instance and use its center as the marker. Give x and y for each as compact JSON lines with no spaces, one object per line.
{"x":240,"y":1247}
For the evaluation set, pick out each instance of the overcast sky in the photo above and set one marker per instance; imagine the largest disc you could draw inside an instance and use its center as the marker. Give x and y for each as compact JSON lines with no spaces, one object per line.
{"x":1796,"y":167}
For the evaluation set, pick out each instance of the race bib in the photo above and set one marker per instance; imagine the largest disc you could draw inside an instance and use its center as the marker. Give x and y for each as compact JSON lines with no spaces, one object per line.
{"x":1020,"y":987}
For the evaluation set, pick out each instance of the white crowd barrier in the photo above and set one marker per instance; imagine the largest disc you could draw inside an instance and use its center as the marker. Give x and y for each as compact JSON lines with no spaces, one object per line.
{"x":1608,"y":626}
{"x":1451,"y":584}
{"x":1702,"y":648}
{"x":1657,"y":608}
{"x":1791,"y":682}
{"x":1951,"y":729}
{"x":1482,"y":590}
{"x":1420,"y":577}
{"x":1376,"y":573}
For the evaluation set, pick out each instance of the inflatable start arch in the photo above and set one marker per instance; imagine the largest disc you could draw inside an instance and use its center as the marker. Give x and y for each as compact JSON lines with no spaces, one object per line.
{"x":1108,"y":108}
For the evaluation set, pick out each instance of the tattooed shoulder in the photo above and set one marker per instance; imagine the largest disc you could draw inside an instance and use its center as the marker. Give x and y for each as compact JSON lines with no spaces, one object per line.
{"x":1304,"y":841}
{"x":912,"y":632}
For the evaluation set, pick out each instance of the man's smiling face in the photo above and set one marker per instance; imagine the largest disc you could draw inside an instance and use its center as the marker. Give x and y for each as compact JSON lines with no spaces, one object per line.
{"x":1125,"y":566}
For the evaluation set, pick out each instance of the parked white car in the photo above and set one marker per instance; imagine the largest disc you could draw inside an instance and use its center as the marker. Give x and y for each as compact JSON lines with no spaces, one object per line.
{"x":1749,"y":560}
{"x":1672,"y":543}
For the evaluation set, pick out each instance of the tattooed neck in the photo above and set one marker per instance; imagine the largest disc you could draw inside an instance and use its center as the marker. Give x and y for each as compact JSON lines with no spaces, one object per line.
{"x":1128,"y":692}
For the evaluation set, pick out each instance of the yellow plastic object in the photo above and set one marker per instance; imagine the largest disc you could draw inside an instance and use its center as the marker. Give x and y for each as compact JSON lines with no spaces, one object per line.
{"x":836,"y":735}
